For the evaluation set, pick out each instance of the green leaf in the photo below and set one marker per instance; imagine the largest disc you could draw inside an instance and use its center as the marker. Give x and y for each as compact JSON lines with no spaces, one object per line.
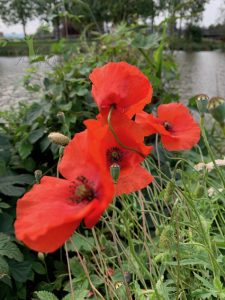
{"x":82,"y":92}
{"x":38,"y":267}
{"x":96,"y":280}
{"x":4,"y":267}
{"x":35,"y":135}
{"x":45,"y":142}
{"x":9,"y":190}
{"x":66,"y":107}
{"x":20,"y":271}
{"x":205,"y":282}
{"x":9,"y":249}
{"x":217,"y":284}
{"x":79,"y":294}
{"x":4,"y":239}
{"x":35,"y":111}
{"x":4,"y":205}
{"x":81,"y":243}
{"x":8,"y":184}
{"x":44,"y":295}
{"x":5,"y":148}
{"x":145,"y":42}
{"x":37,"y":58}
{"x":24,"y":148}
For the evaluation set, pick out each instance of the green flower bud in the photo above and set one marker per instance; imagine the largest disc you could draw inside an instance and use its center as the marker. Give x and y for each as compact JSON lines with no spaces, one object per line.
{"x":216,"y":107}
{"x":41,"y":256}
{"x":38,"y":175}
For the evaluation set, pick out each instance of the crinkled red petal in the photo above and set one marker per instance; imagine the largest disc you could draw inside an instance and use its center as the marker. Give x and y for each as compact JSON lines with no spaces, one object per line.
{"x":185,"y":132}
{"x":122,"y":85}
{"x":150,"y":124}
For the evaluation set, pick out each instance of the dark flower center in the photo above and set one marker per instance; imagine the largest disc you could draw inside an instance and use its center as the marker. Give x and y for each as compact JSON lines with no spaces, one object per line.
{"x":167,"y":126}
{"x":114,"y":155}
{"x":83,"y":191}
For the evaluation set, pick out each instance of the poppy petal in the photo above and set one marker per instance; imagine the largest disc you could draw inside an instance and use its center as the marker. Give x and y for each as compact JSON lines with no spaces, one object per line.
{"x":129,"y":133}
{"x":46,"y":215}
{"x":77,"y":160}
{"x":150,"y":124}
{"x":185,"y":131}
{"x":138,"y":179}
{"x":122,"y":85}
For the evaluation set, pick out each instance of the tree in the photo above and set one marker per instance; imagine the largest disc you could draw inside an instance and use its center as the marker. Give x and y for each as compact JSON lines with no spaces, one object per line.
{"x":50,"y":11}
{"x":17,"y":11}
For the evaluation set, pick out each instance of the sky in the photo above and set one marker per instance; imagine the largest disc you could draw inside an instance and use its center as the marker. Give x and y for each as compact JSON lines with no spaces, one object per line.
{"x":211,"y":15}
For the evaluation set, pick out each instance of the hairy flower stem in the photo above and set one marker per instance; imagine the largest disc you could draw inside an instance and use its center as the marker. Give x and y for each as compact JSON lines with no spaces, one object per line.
{"x":69,"y":272}
{"x":116,"y":136}
{"x":129,"y":297}
{"x":202,"y":122}
{"x":125,"y":217}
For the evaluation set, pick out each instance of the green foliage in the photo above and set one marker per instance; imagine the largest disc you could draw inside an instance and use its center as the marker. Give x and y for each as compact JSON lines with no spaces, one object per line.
{"x":163,"y":243}
{"x":43,"y":295}
{"x":193,"y":33}
{"x":16,"y":11}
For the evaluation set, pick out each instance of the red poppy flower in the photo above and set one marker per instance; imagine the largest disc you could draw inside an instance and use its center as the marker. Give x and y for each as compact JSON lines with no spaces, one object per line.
{"x":178,"y":129}
{"x":120,"y":85}
{"x":109,"y":151}
{"x":50,"y":212}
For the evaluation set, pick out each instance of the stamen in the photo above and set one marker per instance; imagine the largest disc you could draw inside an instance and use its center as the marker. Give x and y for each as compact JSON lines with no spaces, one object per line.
{"x":167,"y":126}
{"x":82,"y":190}
{"x":114,"y":155}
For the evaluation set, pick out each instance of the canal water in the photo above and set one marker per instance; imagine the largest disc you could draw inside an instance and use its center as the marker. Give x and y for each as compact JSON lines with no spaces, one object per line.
{"x":200,"y":72}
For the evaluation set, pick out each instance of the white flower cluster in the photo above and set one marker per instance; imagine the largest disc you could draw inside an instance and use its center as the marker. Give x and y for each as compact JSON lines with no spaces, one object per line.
{"x":209,"y":166}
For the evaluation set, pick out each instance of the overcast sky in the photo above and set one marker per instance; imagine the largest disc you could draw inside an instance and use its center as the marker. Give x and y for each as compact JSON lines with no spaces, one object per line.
{"x":212,"y":15}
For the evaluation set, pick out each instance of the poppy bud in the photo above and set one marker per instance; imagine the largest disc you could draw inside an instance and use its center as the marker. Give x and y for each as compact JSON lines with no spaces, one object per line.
{"x":115,"y":172}
{"x":61,"y":116}
{"x":58,"y":138}
{"x":202,"y":102}
{"x":41,"y":256}
{"x":38,"y":175}
{"x":216,"y":107}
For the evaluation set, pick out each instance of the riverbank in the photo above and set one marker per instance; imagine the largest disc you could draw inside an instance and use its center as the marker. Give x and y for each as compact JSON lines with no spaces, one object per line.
{"x":24,"y":48}
{"x":42,"y":47}
{"x":205,"y":45}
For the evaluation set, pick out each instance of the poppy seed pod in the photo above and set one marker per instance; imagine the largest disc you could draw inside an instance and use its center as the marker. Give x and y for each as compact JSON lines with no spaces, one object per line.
{"x":115,"y":172}
{"x":202,"y":102}
{"x":216,"y":107}
{"x":58,"y":138}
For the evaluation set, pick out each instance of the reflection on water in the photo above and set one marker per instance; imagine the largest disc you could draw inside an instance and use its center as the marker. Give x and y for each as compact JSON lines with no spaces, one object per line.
{"x":201,"y":72}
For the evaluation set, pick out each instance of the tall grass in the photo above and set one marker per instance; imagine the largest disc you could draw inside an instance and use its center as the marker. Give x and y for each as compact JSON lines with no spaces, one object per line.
{"x":165,"y":242}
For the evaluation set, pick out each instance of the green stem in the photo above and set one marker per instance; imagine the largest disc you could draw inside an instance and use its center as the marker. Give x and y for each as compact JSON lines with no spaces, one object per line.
{"x":209,"y":149}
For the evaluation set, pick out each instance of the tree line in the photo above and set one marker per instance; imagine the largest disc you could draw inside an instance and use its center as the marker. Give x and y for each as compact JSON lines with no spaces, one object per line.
{"x":96,"y":13}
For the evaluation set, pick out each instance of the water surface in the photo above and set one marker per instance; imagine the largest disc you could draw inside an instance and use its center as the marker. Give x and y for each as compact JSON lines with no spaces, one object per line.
{"x":201,"y":72}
